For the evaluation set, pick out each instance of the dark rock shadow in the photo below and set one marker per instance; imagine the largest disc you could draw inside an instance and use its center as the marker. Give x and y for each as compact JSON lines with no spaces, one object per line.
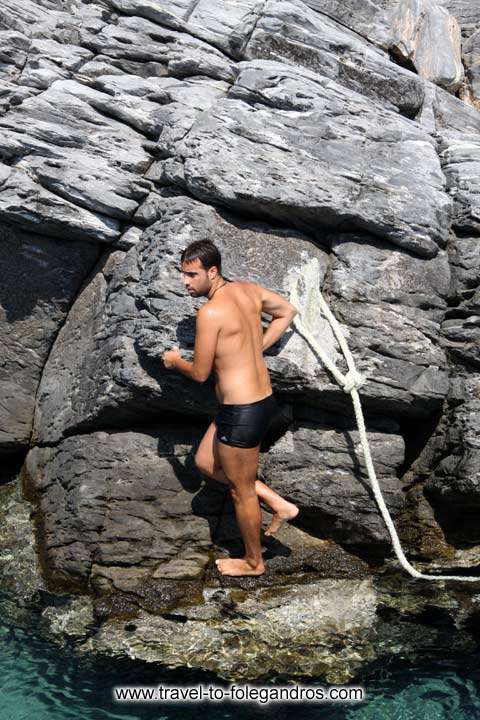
{"x":460,"y":525}
{"x":11,"y":466}
{"x":48,"y":271}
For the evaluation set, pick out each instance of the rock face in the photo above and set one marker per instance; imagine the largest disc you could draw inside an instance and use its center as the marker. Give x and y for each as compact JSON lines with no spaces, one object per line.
{"x":331,"y":143}
{"x":40,"y":280}
{"x":137,"y":486}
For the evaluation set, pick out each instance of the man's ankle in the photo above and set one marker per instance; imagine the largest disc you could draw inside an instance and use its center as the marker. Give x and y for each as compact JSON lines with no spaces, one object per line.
{"x":254,"y":562}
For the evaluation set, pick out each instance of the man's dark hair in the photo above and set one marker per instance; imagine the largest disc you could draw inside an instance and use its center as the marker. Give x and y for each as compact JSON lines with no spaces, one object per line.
{"x":205,"y":251}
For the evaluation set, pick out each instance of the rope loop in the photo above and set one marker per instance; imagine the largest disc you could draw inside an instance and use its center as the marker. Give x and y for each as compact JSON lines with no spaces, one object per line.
{"x":350,"y":382}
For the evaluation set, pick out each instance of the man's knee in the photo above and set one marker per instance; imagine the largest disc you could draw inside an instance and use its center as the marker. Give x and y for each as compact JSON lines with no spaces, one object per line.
{"x":242,"y":485}
{"x":205,"y":464}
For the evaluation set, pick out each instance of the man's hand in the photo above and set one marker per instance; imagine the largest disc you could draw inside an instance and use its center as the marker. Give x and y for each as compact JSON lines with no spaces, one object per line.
{"x":208,"y":328}
{"x":170,"y":357}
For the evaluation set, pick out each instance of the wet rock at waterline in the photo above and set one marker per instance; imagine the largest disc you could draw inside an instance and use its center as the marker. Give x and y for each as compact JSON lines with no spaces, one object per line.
{"x":329,"y":146}
{"x":318,"y":612}
{"x":20,"y":571}
{"x":340,"y":625}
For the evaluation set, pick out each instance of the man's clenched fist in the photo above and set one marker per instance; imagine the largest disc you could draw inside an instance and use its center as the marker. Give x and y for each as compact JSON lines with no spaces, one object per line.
{"x":170,"y":356}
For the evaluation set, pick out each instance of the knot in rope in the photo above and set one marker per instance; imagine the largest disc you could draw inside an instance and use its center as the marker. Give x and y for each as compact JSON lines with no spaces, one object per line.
{"x":353,"y":379}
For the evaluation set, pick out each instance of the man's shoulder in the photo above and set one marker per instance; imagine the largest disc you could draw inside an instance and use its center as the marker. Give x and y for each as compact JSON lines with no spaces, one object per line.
{"x":245,"y":283}
{"x":251,"y":285}
{"x":207,"y":310}
{"x":210,"y":313}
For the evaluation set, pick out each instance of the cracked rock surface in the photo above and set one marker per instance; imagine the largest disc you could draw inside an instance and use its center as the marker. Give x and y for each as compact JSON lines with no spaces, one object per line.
{"x":332,"y":143}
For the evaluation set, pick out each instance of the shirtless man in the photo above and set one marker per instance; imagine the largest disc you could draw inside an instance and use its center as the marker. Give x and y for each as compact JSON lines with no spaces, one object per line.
{"x":230,"y":339}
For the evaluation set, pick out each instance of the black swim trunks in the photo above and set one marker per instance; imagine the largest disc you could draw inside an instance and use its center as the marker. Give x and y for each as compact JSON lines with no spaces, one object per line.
{"x":245,"y":424}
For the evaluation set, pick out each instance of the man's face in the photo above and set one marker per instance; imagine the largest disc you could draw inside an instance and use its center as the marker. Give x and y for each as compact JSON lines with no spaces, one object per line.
{"x":196,"y":279}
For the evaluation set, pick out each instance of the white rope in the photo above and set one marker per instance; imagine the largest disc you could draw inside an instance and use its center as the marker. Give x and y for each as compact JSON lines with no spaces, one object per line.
{"x":350,"y":384}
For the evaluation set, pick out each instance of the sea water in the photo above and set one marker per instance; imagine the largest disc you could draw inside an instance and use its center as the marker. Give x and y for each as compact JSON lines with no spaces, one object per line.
{"x":38,"y":679}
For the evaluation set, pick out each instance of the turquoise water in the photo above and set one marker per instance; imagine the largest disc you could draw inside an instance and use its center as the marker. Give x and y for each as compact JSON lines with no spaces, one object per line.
{"x":37,"y":679}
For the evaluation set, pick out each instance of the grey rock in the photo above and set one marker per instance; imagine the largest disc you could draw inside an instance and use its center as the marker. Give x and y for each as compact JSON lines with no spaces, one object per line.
{"x":13,"y":94}
{"x":103,"y":65}
{"x":40,"y":279}
{"x":463,"y":335}
{"x":129,"y":238}
{"x":369,"y":177}
{"x":465,"y":260}
{"x":77,"y":157}
{"x":467,"y":13}
{"x":137,"y":40}
{"x":460,"y":157}
{"x":171,"y":105}
{"x":425,"y":34}
{"x":24,"y":203}
{"x":289,"y":32}
{"x":321,"y":470}
{"x":27,"y":16}
{"x":133,"y":491}
{"x":49,"y":60}
{"x":91,"y":183}
{"x":471,"y":58}
{"x":89,"y":162}
{"x":392,"y":304}
{"x":371,"y":271}
{"x":454,"y":484}
{"x":453,"y":114}
{"x":368,"y":19}
{"x":225,"y":26}
{"x":14,"y":54}
{"x":409,"y":29}
{"x":69,"y":115}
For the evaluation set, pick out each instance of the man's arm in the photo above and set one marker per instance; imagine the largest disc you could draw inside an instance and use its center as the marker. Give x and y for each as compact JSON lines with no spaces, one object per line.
{"x":206,"y":335}
{"x":282,"y":312}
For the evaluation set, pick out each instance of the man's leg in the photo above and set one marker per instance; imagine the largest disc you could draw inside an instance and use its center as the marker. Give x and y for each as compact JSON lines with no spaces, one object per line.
{"x":240,"y":467}
{"x":207,"y":460}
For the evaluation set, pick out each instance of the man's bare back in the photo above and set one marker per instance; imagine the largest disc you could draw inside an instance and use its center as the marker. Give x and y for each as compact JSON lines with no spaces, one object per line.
{"x":240,"y":370}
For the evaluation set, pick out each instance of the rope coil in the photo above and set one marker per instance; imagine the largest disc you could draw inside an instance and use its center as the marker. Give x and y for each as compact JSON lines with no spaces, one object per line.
{"x":350,"y":382}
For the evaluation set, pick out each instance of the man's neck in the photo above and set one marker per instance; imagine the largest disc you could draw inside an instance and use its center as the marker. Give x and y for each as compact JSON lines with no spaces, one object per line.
{"x":219,"y":284}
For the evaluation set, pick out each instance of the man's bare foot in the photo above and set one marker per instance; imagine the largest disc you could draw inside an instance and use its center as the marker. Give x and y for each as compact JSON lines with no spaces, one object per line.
{"x":286,"y":513}
{"x":239,"y":566}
